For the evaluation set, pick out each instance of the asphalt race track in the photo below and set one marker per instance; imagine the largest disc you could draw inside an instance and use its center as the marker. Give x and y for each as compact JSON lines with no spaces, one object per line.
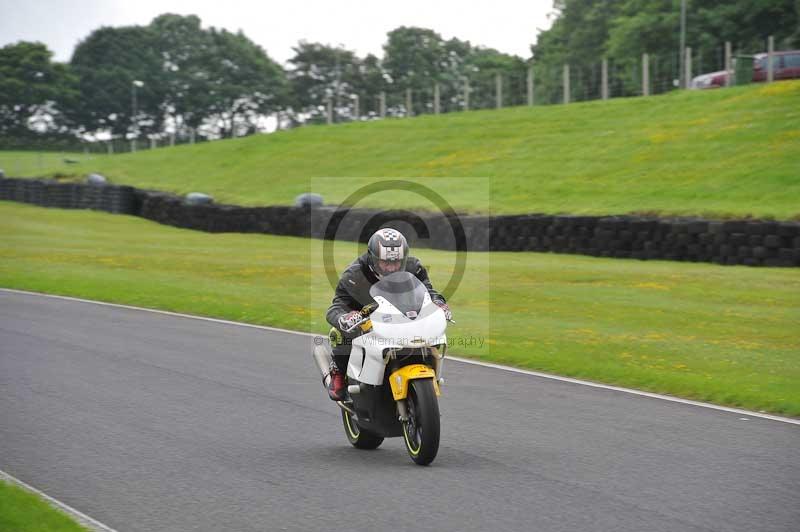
{"x":160,"y":423}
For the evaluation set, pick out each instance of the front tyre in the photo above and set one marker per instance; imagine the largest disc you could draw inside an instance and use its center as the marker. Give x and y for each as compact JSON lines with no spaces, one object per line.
{"x":359,"y":438}
{"x":421,"y":431}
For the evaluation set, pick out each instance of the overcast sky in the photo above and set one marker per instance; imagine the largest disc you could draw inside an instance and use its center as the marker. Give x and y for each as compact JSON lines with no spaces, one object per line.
{"x":360,"y":25}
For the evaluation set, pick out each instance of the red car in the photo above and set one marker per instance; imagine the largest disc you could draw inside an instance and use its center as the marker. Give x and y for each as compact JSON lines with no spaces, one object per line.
{"x":786,"y":65}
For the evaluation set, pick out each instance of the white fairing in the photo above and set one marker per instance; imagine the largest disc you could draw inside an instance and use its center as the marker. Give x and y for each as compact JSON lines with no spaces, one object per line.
{"x":392,"y":329}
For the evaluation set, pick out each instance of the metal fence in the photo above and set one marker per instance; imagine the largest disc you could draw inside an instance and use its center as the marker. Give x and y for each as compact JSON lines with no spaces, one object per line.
{"x":650,"y":74}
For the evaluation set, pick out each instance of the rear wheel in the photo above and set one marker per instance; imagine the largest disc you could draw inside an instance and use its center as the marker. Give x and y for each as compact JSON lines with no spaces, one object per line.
{"x":421,"y":431}
{"x":358,"y":437}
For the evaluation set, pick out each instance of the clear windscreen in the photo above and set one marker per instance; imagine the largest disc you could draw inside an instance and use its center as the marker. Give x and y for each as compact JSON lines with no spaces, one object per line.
{"x":401,"y":289}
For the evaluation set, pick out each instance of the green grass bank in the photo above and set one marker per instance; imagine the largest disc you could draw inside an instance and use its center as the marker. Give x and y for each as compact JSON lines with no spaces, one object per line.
{"x":721,"y":334}
{"x":718,"y":153}
{"x":22,"y":511}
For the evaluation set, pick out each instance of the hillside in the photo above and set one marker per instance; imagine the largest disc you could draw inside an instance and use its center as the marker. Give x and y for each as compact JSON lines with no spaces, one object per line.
{"x":720,"y":153}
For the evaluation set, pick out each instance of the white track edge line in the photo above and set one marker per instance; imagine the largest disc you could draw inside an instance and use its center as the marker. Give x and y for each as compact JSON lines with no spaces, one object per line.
{"x":83,"y":519}
{"x":158,"y":311}
{"x":631,"y":391}
{"x":501,"y":367}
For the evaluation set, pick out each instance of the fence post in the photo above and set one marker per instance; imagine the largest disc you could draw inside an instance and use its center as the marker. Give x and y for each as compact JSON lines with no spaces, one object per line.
{"x":408,"y":102}
{"x":770,"y":59}
{"x":383,"y":105}
{"x":133,"y":145}
{"x":191,"y":135}
{"x":466,"y":94}
{"x":530,"y":85}
{"x":645,"y":75}
{"x":498,"y":90}
{"x":604,"y":79}
{"x":356,"y":107}
{"x":109,"y":148}
{"x":436,"y":98}
{"x":728,"y":69}
{"x":566,"y":84}
{"x":152,"y":143}
{"x":329,"y":111}
{"x":172,"y":139}
{"x":687,"y":64}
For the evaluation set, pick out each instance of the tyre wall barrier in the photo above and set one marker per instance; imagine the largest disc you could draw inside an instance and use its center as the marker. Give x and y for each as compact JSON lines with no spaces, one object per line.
{"x":747,"y":242}
{"x":111,"y":198}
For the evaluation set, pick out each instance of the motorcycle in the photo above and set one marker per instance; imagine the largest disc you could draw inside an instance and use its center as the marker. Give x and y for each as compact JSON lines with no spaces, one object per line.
{"x":394,"y":373}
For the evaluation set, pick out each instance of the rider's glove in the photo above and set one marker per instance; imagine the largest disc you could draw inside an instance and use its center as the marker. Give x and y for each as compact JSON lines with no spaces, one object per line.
{"x":350,"y":320}
{"x":448,"y":315}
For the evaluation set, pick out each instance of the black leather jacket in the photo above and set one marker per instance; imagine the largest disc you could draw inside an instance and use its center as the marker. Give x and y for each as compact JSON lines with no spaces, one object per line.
{"x":352,"y":292}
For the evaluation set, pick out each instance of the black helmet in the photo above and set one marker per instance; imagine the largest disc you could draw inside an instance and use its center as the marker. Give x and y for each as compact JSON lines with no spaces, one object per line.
{"x":388,"y":251}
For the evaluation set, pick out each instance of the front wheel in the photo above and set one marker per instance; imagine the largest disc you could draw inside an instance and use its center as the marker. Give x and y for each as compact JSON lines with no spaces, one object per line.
{"x":421,"y":431}
{"x":359,"y":438}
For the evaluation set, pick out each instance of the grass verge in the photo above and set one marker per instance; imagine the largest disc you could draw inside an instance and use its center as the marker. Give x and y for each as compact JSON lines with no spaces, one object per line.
{"x":22,"y":511}
{"x":731,"y":152}
{"x":722,"y":334}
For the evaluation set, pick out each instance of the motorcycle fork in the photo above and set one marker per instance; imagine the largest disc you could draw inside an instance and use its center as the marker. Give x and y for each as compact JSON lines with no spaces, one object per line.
{"x":402,"y":406}
{"x":402,"y":410}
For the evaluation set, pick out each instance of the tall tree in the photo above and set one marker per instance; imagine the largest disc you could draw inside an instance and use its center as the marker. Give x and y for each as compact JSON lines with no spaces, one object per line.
{"x":183,"y":45}
{"x":371,"y":82}
{"x":484,"y":65}
{"x":320,"y":72}
{"x":107,"y":63}
{"x":415,"y":59}
{"x":244,"y":82}
{"x":414,"y":56}
{"x":190,"y":76}
{"x":577,"y":37}
{"x":35,"y":92}
{"x":418,"y":58}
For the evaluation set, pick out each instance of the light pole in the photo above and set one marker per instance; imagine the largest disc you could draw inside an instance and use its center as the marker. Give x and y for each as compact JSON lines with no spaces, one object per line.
{"x":684,"y":83}
{"x":134,"y":85}
{"x":338,"y":52}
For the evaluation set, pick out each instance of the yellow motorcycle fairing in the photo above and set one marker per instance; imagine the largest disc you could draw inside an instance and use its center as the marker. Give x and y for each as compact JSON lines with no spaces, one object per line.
{"x":399,"y":379}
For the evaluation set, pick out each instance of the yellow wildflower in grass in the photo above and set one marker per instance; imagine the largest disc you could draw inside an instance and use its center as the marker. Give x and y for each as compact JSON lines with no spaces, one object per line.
{"x":651,"y":286}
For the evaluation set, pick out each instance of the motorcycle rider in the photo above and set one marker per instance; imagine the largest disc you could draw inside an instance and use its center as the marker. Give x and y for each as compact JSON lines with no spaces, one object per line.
{"x":387,"y":252}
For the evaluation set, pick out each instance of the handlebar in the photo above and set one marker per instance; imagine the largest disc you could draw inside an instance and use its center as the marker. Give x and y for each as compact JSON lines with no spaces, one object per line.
{"x":357,"y":324}
{"x":366,"y":311}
